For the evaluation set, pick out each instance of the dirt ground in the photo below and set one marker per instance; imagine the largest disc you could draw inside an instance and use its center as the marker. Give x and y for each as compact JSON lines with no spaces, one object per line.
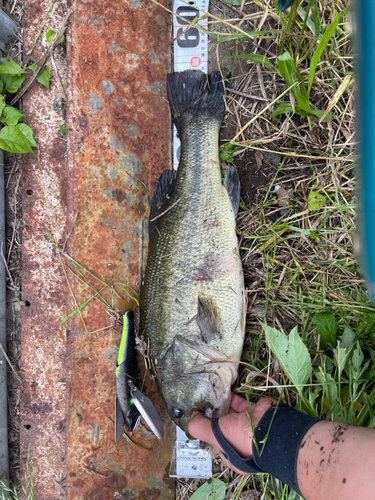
{"x":13,"y":214}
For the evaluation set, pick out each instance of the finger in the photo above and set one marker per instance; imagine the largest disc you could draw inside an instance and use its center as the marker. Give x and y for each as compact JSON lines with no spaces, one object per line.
{"x":200,"y":428}
{"x":238,"y":403}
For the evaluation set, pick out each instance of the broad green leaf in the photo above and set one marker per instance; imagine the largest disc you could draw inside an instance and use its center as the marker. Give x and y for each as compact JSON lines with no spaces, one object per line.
{"x":63,"y":129}
{"x":257,"y":58}
{"x":316,"y":201}
{"x":14,"y":141}
{"x":322,"y":45}
{"x":12,"y":115}
{"x":347,"y":338}
{"x":326,"y":324}
{"x":212,"y":490}
{"x":50,"y":35}
{"x":43,"y":78}
{"x":282,"y":109}
{"x":330,"y":388}
{"x":319,"y":113}
{"x":10,"y":67}
{"x":33,"y":67}
{"x":291,"y":74}
{"x":1,"y":86}
{"x":367,"y":326}
{"x":12,"y":82}
{"x":340,"y":357}
{"x":357,"y":358}
{"x":292,"y":354}
{"x":28,"y":132}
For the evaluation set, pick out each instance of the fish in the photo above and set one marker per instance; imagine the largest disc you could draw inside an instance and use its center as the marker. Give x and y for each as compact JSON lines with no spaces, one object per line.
{"x":193,"y":299}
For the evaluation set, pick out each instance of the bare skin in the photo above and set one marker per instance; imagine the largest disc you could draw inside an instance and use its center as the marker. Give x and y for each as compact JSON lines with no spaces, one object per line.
{"x":335,"y":461}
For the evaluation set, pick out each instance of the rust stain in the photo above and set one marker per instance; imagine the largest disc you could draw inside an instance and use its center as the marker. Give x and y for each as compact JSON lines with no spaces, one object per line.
{"x":44,"y":403}
{"x":118,"y":143}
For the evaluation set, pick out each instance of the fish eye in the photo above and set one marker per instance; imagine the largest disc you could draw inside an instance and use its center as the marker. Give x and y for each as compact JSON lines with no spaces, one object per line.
{"x":176,"y":413}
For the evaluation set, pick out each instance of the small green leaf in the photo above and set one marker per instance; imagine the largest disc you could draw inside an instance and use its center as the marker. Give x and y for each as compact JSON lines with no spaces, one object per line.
{"x":326,"y":324}
{"x":316,"y":201}
{"x":28,"y":132}
{"x":322,"y":45}
{"x":282,"y":109}
{"x":12,"y":115}
{"x":33,"y":67}
{"x":347,"y":338}
{"x":292,"y":354}
{"x":10,"y":67}
{"x":340,"y":356}
{"x":14,"y":141}
{"x":43,"y":78}
{"x":63,"y":129}
{"x":257,"y":58}
{"x":357,"y":358}
{"x":234,"y":3}
{"x":29,"y":52}
{"x":12,"y":82}
{"x":330,"y":388}
{"x":212,"y":490}
{"x":50,"y":35}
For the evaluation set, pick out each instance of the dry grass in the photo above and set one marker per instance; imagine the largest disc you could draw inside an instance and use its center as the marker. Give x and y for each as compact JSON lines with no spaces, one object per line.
{"x":297,"y":261}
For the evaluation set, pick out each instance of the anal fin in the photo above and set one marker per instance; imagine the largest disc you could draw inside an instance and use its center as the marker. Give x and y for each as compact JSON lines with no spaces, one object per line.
{"x":208,"y":320}
{"x":233,"y":186}
{"x":163,"y":189}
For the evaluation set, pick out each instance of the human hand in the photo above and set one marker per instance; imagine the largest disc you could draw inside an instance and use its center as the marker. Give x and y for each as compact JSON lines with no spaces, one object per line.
{"x":235,"y":426}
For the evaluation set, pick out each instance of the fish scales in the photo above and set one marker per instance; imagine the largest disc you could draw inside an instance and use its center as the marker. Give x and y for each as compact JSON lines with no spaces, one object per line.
{"x":193,"y":304}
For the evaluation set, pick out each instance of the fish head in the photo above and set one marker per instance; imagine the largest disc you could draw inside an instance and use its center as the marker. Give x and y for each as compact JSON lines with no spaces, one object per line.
{"x":191,"y":382}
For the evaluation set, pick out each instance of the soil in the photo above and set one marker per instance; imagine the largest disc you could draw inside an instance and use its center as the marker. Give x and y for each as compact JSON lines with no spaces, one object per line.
{"x":13,"y":254}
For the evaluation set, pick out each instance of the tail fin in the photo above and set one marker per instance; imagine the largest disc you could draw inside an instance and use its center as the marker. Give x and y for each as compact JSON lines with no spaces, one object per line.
{"x":193,"y":94}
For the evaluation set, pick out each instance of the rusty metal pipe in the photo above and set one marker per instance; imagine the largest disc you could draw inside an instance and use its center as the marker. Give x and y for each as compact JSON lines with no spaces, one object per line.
{"x":8,"y":29}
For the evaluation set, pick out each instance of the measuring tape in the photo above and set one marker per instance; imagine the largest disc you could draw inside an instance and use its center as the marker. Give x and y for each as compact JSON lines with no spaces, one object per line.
{"x":190,"y":52}
{"x":190,"y":48}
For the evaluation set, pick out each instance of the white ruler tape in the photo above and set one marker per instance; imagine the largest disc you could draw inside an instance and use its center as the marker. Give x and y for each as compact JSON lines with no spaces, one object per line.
{"x":190,"y":52}
{"x":190,"y":49}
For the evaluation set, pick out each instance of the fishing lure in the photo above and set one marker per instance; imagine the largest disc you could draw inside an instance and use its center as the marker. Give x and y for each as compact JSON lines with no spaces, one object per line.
{"x":131,"y":404}
{"x":126,"y":413}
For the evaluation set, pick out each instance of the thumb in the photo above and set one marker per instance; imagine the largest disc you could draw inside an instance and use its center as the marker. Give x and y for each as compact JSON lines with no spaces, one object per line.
{"x":200,"y":428}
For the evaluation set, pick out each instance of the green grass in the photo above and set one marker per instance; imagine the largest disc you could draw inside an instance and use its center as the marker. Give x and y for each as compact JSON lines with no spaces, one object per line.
{"x":299,"y":259}
{"x":27,"y":489}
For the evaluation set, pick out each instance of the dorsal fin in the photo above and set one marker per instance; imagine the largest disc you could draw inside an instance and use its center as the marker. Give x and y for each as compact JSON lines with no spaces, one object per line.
{"x":163,"y":189}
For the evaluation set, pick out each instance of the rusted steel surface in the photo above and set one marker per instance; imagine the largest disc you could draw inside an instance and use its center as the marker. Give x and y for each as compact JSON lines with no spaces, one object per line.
{"x":118,"y":144}
{"x":47,"y":206}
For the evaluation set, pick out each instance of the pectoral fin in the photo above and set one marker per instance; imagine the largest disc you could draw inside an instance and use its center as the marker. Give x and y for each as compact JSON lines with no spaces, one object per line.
{"x":233,"y":186}
{"x":208,"y":320}
{"x":163,"y":189}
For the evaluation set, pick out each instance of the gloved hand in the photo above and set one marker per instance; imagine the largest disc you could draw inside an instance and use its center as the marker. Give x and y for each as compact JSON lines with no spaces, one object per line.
{"x":235,"y":427}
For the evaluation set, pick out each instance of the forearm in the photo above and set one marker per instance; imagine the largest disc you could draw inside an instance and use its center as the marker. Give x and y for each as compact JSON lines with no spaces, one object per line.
{"x":337,"y":461}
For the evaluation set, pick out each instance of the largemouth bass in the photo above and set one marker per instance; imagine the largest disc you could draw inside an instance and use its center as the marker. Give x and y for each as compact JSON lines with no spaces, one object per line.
{"x":193,"y":303}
